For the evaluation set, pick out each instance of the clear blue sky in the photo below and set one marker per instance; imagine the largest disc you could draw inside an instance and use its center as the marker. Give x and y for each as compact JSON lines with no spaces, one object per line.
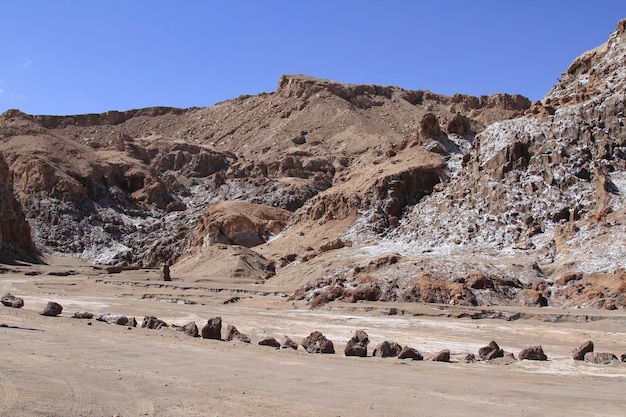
{"x":90,"y":56}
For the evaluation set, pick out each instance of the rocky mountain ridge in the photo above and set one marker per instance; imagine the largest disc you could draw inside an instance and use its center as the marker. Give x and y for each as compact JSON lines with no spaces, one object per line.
{"x":477,"y":200}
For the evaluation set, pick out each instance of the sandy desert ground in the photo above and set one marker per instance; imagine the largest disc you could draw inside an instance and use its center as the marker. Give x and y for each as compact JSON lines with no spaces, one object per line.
{"x":61,"y":366}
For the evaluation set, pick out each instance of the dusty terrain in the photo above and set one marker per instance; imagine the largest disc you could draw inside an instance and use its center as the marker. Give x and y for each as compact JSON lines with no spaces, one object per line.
{"x":62,"y":366}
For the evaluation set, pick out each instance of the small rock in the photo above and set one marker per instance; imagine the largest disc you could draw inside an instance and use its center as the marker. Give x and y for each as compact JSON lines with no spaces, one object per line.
{"x":387,"y":349}
{"x":233,"y":334}
{"x":84,"y":315}
{"x":213,"y":329}
{"x":532,"y":353}
{"x":470,"y":358}
{"x":316,"y":342}
{"x":151,"y":322}
{"x":442,"y":356}
{"x":357,"y":345}
{"x":491,"y":351}
{"x":410,"y":353}
{"x":52,"y":309}
{"x":288,"y":344}
{"x":580,"y":352}
{"x":270,"y":341}
{"x":9,"y":300}
{"x":603,"y":358}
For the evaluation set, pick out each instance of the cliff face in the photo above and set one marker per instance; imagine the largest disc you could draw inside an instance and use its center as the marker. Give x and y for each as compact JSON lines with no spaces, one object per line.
{"x":15,"y":238}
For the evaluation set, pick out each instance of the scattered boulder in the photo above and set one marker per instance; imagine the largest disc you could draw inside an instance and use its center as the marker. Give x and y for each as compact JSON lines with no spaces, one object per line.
{"x":9,"y":300}
{"x":270,"y":341}
{"x":52,"y":309}
{"x":580,"y":352}
{"x":623,"y":357}
{"x":387,"y":349}
{"x":600,"y":358}
{"x":442,"y":356}
{"x":132,"y":322}
{"x":491,"y":351}
{"x":84,"y":315}
{"x":213,"y":329}
{"x":357,"y":345}
{"x":151,"y":322}
{"x":190,"y":329}
{"x":532,"y":353}
{"x":469,"y":358}
{"x":233,"y":334}
{"x":316,"y":342}
{"x":288,"y":344}
{"x":410,"y":353}
{"x":165,"y":272}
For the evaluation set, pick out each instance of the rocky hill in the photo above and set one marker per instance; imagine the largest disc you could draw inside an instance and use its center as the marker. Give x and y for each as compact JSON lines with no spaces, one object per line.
{"x":349,"y":192}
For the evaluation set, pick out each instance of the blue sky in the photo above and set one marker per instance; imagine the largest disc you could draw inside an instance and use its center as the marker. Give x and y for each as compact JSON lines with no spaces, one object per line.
{"x":72,"y":57}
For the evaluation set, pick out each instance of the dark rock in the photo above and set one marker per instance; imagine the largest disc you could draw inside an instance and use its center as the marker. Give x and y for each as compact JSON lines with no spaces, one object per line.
{"x":442,"y":356}
{"x":9,"y":300}
{"x":580,"y":351}
{"x":357,"y":345}
{"x":132,"y":322}
{"x":122,"y":321}
{"x":233,"y":334}
{"x":410,"y":353}
{"x":270,"y":341}
{"x":165,"y":273}
{"x":532,"y":353}
{"x":491,"y":351}
{"x":387,"y":349}
{"x":316,"y":342}
{"x":470,"y":358}
{"x":288,"y":344}
{"x":151,"y":322}
{"x":84,"y":315}
{"x":623,"y":357}
{"x":603,"y":358}
{"x":213,"y":329}
{"x":52,"y":309}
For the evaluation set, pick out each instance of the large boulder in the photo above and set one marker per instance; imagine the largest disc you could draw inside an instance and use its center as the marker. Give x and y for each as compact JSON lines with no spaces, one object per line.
{"x":233,"y":334}
{"x":213,"y":329}
{"x":387,"y":349}
{"x":491,"y":351}
{"x":316,"y":342}
{"x":580,"y":352}
{"x":190,"y":329}
{"x":357,"y":345}
{"x":9,"y":300}
{"x":532,"y":353}
{"x":52,"y":309}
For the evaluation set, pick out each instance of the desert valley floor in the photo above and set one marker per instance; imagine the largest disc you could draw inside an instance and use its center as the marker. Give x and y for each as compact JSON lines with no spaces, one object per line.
{"x":62,"y":366}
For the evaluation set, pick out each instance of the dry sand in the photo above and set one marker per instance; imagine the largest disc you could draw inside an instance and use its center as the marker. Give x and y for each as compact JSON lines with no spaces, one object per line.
{"x":60,"y":366}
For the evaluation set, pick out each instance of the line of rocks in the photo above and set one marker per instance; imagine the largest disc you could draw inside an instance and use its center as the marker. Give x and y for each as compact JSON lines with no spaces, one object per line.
{"x":316,"y":342}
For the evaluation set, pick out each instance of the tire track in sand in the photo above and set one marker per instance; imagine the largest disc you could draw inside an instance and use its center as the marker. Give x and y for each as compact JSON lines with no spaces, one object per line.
{"x":142,"y":406}
{"x":81,"y":398}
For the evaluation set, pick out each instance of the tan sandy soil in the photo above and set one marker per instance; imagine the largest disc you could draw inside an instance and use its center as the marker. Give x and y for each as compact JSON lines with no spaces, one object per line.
{"x":68,"y":367}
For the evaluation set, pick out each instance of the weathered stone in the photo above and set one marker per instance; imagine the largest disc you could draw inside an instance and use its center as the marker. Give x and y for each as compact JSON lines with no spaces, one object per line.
{"x":213,"y":329}
{"x":600,"y":358}
{"x":84,"y":315}
{"x":288,"y":343}
{"x":52,"y":309}
{"x":316,"y":342}
{"x":410,"y":353}
{"x":9,"y":300}
{"x":190,"y":329}
{"x":233,"y":334}
{"x":132,"y":322}
{"x":387,"y":349}
{"x":580,"y":352}
{"x":441,"y":356}
{"x":151,"y":322}
{"x":165,"y":272}
{"x":270,"y":341}
{"x":491,"y":351}
{"x":357,"y":345}
{"x":469,"y":358}
{"x":532,"y":353}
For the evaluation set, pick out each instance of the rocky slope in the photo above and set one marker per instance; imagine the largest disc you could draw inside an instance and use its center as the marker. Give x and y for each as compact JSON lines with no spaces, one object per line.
{"x":350,"y":192}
